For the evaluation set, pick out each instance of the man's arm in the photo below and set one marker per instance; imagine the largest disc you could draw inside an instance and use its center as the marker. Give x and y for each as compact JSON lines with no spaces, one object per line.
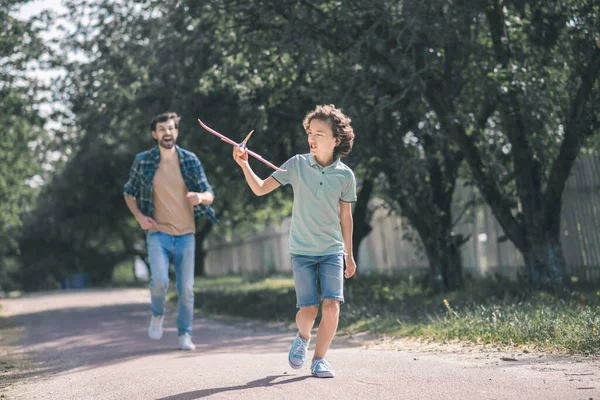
{"x":144,"y":221}
{"x":206,"y":196}
{"x":132,"y":189}
{"x":347,"y":229}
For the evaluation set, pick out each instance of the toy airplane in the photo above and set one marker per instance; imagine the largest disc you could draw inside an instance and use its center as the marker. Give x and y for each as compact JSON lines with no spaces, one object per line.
{"x":240,"y":145}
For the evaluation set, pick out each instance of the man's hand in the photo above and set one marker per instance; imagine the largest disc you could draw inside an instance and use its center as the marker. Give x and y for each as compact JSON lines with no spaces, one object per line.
{"x":350,"y":267}
{"x":199,"y":198}
{"x":146,"y":222}
{"x":240,"y":155}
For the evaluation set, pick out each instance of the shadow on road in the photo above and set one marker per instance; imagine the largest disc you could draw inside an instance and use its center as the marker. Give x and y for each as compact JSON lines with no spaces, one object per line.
{"x":264,"y":382}
{"x":62,"y":339}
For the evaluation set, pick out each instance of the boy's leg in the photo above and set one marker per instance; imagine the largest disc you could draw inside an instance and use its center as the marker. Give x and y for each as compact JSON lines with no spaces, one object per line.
{"x":307,"y":300}
{"x":183,"y":260}
{"x":304,"y":269}
{"x":331,"y":270}
{"x":305,"y":319}
{"x":159,"y":248}
{"x":330,"y":312}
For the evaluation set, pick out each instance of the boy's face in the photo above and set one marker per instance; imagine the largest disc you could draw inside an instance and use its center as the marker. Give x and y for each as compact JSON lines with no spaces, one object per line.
{"x":320,"y":139}
{"x":166,"y":134}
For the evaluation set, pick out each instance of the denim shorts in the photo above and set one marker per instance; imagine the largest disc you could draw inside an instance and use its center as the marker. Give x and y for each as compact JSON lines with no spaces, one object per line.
{"x":314,"y":272}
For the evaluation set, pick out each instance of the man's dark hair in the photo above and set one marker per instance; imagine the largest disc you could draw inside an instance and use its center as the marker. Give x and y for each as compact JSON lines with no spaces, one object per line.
{"x":164,"y":117}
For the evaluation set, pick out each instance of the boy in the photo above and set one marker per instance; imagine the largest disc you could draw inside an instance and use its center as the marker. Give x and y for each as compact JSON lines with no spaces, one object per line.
{"x":321,"y":229}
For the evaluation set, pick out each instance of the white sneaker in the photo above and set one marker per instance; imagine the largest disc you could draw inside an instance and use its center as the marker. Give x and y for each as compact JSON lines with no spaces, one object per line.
{"x":185,"y":342}
{"x":155,"y":330}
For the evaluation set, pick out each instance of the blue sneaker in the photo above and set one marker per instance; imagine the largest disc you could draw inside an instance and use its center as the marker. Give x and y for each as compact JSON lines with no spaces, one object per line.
{"x":321,"y":368}
{"x":298,"y":352}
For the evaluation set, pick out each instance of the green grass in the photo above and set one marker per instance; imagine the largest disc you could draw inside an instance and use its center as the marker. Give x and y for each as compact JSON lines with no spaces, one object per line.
{"x":123,"y":276}
{"x":270,"y":299}
{"x":488,"y":312}
{"x":123,"y":273}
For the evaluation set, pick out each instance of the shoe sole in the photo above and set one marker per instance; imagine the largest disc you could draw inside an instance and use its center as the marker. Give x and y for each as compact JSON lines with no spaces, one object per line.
{"x":295,"y":366}
{"x":323,"y":374}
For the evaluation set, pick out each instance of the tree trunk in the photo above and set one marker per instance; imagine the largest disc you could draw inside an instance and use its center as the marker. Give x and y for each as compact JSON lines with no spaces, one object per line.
{"x":200,"y":256}
{"x":545,"y":261}
{"x":200,"y":253}
{"x":445,"y":263}
{"x":431,"y":216}
{"x":452,"y":268}
{"x":362,"y":215}
{"x":442,"y":247}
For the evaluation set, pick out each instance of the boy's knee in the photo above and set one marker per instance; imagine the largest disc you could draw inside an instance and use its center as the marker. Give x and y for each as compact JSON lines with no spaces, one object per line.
{"x":310,"y":312}
{"x":331,"y":307}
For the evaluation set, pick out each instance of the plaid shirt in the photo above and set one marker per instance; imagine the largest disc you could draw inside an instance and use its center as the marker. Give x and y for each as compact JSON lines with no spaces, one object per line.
{"x":141,"y":180}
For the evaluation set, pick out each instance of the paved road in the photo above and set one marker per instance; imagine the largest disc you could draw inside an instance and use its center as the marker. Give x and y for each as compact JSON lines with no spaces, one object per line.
{"x":93,"y":345}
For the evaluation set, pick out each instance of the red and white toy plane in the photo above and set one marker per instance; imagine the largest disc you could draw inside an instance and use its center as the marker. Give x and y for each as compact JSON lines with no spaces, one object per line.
{"x":240,"y":145}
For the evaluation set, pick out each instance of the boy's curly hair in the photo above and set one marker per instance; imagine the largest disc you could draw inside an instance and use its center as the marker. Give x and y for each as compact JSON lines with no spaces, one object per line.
{"x":339,"y":123}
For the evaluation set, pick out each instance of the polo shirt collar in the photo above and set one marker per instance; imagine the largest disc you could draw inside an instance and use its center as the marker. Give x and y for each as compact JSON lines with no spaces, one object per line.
{"x":313,"y":161}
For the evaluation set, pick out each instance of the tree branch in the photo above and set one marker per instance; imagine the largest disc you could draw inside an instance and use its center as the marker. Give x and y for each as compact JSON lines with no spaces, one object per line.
{"x":487,"y":184}
{"x":527,"y":169}
{"x":575,"y":135}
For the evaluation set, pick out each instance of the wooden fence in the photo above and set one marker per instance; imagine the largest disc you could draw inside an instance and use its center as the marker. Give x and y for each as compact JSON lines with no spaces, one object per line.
{"x":393,"y":247}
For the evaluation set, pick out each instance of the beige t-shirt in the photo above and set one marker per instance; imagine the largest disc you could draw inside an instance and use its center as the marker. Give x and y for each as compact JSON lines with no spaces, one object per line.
{"x":173,"y":212}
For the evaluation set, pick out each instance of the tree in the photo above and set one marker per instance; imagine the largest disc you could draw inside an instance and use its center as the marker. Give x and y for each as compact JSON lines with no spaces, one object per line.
{"x":349,"y":59}
{"x":511,"y":83}
{"x":23,"y":138}
{"x":138,"y":62}
{"x":542,"y":71}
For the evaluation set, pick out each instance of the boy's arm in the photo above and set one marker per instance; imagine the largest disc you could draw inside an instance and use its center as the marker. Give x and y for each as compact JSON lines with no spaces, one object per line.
{"x":259,"y":187}
{"x":347,"y":229}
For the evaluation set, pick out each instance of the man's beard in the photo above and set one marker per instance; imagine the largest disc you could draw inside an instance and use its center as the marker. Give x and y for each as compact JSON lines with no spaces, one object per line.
{"x":167,"y":146}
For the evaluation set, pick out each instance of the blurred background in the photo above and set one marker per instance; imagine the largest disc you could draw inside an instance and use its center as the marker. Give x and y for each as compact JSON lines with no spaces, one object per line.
{"x":476,"y":151}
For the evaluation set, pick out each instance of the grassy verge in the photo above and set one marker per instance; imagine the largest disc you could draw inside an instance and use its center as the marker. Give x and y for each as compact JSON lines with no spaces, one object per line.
{"x":486,"y":312}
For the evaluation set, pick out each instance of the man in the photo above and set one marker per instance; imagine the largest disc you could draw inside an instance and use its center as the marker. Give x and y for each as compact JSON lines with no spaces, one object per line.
{"x":166,"y":190}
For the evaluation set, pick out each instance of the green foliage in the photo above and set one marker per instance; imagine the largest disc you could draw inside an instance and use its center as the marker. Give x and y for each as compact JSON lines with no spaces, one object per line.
{"x":509,"y":87}
{"x":20,"y":119}
{"x":139,"y":61}
{"x":428,"y":84}
{"x":23,"y":139}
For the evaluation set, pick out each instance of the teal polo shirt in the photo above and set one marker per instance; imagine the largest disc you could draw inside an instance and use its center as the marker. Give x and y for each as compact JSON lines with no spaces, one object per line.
{"x":316,"y":229}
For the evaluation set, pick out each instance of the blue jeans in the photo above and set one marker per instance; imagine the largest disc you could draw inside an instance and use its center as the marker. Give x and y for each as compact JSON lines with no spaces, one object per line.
{"x":162,"y":249}
{"x":330,"y":272}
